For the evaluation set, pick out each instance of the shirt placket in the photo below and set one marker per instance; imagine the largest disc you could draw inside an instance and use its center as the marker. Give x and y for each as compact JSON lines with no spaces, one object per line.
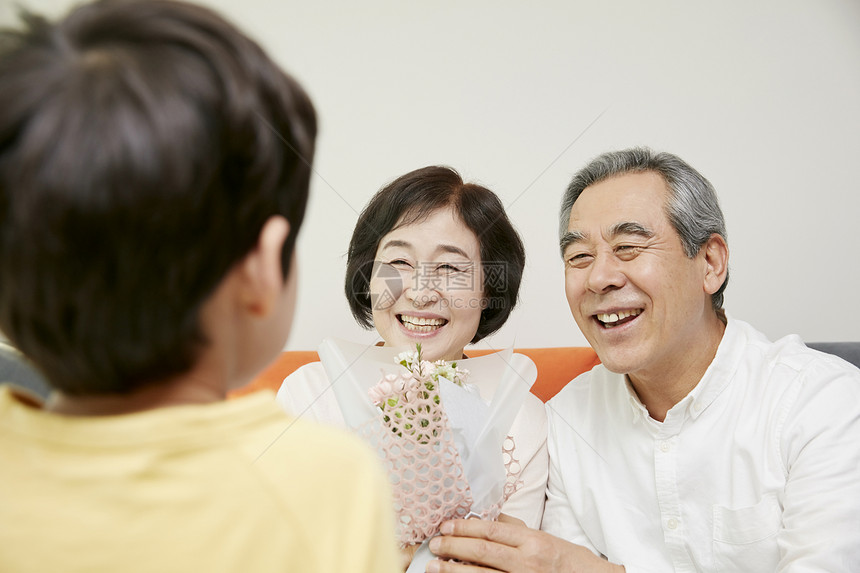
{"x":666,"y":454}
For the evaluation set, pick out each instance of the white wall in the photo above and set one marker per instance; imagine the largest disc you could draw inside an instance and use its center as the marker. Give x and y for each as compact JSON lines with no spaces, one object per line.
{"x":762,"y":97}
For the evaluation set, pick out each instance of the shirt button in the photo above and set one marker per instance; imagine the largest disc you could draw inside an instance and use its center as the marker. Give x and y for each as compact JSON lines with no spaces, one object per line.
{"x":672,"y":523}
{"x":665,"y":447}
{"x":697,"y":407}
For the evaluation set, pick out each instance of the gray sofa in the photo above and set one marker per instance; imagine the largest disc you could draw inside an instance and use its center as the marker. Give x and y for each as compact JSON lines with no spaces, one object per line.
{"x":17,"y":369}
{"x":849,"y":351}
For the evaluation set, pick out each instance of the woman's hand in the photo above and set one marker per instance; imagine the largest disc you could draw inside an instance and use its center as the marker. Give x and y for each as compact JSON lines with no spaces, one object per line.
{"x":508,"y":545}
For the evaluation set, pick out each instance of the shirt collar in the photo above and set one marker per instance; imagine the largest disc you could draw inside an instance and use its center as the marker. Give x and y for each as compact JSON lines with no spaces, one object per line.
{"x":717,"y":376}
{"x":637,"y":408}
{"x":721,"y":370}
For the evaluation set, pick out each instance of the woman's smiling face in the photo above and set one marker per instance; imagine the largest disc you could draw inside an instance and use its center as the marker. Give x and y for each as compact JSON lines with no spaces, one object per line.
{"x":427,"y":286}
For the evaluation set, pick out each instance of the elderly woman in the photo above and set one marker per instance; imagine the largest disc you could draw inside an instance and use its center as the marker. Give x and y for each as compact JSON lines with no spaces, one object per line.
{"x":435,"y":261}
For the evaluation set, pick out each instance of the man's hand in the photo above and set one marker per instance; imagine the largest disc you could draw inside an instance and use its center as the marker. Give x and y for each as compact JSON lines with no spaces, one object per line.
{"x":508,"y":545}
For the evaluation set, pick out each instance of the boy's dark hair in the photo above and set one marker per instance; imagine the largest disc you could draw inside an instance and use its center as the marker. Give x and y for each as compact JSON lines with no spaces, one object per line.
{"x":413,"y":197}
{"x":143,"y":145}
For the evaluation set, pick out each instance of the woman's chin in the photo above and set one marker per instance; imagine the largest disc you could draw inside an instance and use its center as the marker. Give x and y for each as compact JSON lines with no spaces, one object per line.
{"x":432,"y":348}
{"x":433,"y":352}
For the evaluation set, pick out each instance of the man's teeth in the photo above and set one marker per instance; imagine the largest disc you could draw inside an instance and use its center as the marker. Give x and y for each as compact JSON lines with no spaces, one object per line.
{"x":420,"y":324}
{"x":613,"y":318}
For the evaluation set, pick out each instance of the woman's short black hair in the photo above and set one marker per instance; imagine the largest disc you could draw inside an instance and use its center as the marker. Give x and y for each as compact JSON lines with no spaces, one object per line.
{"x":411,"y":198}
{"x":143,"y":145}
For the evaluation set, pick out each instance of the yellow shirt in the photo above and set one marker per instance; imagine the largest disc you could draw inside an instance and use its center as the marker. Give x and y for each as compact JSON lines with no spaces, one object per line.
{"x":232,"y":486}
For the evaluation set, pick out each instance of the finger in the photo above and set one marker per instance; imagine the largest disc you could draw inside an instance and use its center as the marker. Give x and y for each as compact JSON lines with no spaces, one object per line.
{"x":439,"y":566}
{"x":406,"y":555}
{"x":505,"y":518}
{"x":475,"y":550}
{"x":507,"y":533}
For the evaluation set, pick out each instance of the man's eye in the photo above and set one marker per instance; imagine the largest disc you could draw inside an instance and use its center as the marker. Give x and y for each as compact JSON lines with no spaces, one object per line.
{"x":627,"y":252}
{"x":578,"y":260}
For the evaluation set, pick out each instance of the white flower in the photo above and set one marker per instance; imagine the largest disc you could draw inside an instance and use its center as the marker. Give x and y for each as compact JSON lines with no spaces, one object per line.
{"x":444,"y":370}
{"x":460,"y":376}
{"x":407,"y":357}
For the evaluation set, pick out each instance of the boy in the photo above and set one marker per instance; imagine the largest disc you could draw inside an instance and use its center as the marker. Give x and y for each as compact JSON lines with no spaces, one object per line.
{"x":154,"y":169}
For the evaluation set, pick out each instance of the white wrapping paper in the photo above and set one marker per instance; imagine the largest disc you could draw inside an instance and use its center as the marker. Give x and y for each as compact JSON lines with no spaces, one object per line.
{"x":479,"y":428}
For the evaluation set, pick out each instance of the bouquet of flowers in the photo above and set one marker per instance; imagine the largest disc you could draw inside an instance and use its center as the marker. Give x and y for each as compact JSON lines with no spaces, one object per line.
{"x":410,"y":401}
{"x":447,"y":451}
{"x":420,"y":451}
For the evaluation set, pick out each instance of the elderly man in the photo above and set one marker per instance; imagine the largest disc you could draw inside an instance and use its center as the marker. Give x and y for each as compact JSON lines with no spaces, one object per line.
{"x":697,"y":445}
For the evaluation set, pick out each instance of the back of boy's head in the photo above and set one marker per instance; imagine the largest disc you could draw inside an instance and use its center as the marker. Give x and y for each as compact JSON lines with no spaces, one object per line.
{"x":143,"y":145}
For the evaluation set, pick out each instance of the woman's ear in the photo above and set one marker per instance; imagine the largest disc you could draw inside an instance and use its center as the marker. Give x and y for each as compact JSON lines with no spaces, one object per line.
{"x":716,"y":257}
{"x":261,"y":271}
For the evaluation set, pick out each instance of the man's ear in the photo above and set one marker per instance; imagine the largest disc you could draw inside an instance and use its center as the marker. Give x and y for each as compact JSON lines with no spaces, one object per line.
{"x":261,"y":271}
{"x":716,"y":258}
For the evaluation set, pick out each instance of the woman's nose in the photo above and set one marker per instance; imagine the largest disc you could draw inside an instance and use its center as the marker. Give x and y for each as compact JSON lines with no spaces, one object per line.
{"x":423,"y":287}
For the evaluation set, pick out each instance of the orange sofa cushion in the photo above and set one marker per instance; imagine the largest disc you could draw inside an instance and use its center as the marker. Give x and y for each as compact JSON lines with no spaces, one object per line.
{"x":556,"y":367}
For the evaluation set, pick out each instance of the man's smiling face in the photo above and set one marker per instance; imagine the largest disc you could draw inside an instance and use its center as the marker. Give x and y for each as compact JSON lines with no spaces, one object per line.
{"x":636,"y":296}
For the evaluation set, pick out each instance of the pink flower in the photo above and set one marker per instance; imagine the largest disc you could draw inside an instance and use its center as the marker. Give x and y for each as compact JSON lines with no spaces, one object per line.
{"x":391,"y":386}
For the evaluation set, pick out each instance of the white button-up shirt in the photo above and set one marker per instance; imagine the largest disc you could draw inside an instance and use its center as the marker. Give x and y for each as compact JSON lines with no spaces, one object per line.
{"x":757,"y":469}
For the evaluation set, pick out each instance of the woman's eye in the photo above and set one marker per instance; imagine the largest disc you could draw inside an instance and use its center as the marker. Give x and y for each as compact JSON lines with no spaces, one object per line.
{"x":449,"y":268}
{"x":401,"y":263}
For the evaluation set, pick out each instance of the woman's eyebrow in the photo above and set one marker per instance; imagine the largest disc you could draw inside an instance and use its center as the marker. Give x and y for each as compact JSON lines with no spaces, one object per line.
{"x":441,"y":248}
{"x":395,"y":243}
{"x":452,"y":249}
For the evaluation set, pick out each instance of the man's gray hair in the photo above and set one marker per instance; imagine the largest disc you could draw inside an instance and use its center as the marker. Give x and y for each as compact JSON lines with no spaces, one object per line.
{"x":692,"y":207}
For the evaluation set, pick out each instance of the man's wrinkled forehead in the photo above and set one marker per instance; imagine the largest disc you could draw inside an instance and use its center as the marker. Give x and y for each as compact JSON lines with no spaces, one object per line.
{"x":616,"y":216}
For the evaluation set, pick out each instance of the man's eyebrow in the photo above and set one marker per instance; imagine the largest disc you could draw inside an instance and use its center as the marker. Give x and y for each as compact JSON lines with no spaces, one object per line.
{"x":570,"y":238}
{"x":618,"y":229}
{"x":630,"y":228}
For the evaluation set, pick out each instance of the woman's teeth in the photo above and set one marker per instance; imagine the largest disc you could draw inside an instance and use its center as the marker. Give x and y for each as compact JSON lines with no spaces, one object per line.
{"x":420,"y":324}
{"x":610,"y":320}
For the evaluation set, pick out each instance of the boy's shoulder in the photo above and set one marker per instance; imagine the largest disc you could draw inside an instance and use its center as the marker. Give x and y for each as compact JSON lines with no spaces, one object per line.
{"x":287,"y":437}
{"x":282,"y":444}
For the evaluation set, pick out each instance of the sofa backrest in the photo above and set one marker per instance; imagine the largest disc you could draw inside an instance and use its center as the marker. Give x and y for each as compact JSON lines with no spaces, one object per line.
{"x":849,"y":351}
{"x":556,"y":367}
{"x":14,"y":367}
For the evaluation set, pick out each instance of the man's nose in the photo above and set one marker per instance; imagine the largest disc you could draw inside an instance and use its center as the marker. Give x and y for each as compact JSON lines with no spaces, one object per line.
{"x":605,"y":273}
